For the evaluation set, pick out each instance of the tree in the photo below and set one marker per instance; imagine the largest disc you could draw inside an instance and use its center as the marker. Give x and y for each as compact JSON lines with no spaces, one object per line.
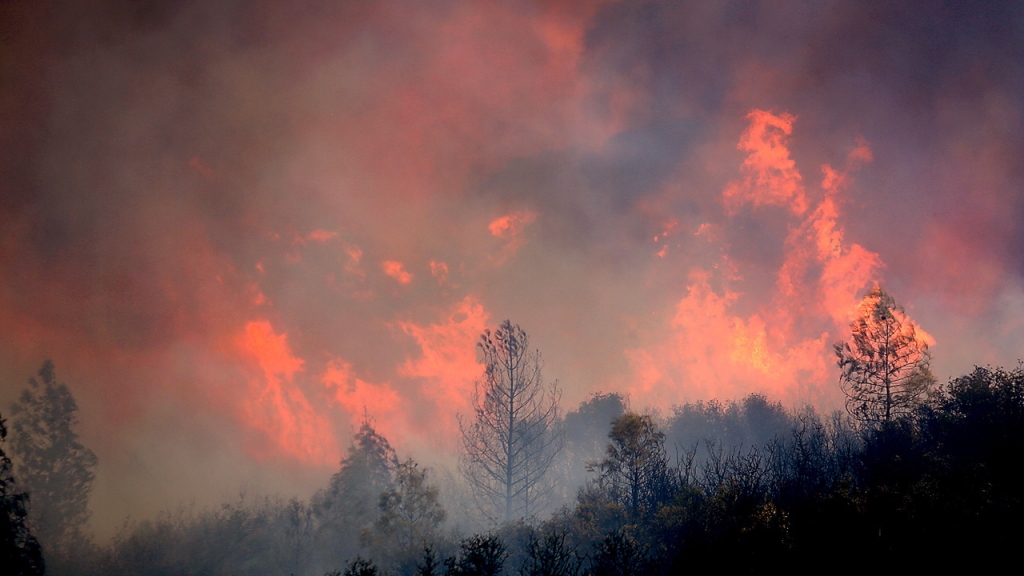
{"x":55,"y":467}
{"x":479,"y":555}
{"x":348,"y":506}
{"x":619,"y":554}
{"x":410,"y":515}
{"x":885,"y":365}
{"x":361,"y":567}
{"x":19,"y":550}
{"x":512,"y":442}
{"x":551,"y":556}
{"x":635,"y":468}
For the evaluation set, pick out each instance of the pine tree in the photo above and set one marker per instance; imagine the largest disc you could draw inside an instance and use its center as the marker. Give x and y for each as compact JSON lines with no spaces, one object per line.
{"x":348,"y":508}
{"x":54,"y":466}
{"x":885,"y":365}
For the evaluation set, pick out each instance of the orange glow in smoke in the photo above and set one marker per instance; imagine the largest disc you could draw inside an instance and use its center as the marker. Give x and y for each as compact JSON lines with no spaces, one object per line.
{"x":321,"y":235}
{"x":713,"y":353}
{"x":866,"y":308}
{"x":360,"y":398}
{"x":439,"y":270}
{"x":770,"y":175}
{"x":511,"y":225}
{"x":447,"y":365}
{"x":396,"y":270}
{"x":276,"y":405}
{"x":510,"y":228}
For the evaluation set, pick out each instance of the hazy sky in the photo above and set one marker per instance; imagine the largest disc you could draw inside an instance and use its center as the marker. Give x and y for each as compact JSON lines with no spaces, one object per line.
{"x":237,"y":227}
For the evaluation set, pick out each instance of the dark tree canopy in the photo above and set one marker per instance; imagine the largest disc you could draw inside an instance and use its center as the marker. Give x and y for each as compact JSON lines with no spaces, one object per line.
{"x":885,"y":365}
{"x":410,"y":519}
{"x":349,"y":505}
{"x":635,"y":467}
{"x":19,"y":550}
{"x":54,"y":466}
{"x":512,"y":441}
{"x":479,"y":555}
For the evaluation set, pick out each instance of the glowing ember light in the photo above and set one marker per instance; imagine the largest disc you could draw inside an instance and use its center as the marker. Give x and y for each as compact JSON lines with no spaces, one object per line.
{"x":511,"y":225}
{"x":321,"y":235}
{"x":439,"y":270}
{"x":360,"y":398}
{"x":510,"y":228}
{"x":396,"y":270}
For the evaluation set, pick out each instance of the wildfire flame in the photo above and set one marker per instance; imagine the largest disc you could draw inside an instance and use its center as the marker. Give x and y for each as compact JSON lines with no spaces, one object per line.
{"x":783,"y":348}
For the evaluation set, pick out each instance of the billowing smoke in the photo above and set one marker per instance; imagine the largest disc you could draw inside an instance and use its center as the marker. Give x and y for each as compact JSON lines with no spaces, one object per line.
{"x":240,"y":228}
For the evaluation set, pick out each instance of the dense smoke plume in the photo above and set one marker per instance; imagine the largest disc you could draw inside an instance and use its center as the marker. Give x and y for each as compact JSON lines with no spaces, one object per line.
{"x":238,"y":228}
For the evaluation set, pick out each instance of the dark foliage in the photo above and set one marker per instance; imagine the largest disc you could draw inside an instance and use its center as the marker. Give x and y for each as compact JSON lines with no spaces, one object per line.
{"x":752,"y":421}
{"x":429,"y":563}
{"x":345,"y":512}
{"x":20,"y":554}
{"x":551,"y":556}
{"x":766,"y":488}
{"x":53,"y":466}
{"x":619,"y":554}
{"x":479,"y":555}
{"x":635,"y":468}
{"x":361,"y":567}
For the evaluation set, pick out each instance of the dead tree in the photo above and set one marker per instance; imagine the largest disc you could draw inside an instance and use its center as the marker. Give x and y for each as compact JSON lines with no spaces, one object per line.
{"x":513,"y":439}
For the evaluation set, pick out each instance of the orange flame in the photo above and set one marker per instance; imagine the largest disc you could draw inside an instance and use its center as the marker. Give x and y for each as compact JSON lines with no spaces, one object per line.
{"x":276,"y":405}
{"x":771,"y":177}
{"x":321,"y":235}
{"x":358,"y":398}
{"x":439,"y":270}
{"x":448,"y":365}
{"x":783,"y":348}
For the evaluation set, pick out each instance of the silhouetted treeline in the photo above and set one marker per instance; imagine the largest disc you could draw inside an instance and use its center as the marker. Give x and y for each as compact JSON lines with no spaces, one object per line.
{"x":738,"y":486}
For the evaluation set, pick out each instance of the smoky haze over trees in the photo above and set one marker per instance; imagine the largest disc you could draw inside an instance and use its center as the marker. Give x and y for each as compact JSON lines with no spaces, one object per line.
{"x":348,"y":507}
{"x":207,"y":211}
{"x":242,"y":226}
{"x":751,"y":485}
{"x":53,"y":465}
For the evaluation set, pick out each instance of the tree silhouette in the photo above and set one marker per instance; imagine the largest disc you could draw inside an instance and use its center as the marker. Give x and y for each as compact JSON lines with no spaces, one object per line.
{"x":19,"y":550}
{"x":619,"y":554}
{"x":479,"y":555}
{"x":512,"y":442}
{"x":348,"y":506}
{"x":885,"y":365}
{"x":635,"y":467}
{"x":551,"y":556}
{"x":410,"y":516}
{"x":55,"y":467}
{"x":361,"y":567}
